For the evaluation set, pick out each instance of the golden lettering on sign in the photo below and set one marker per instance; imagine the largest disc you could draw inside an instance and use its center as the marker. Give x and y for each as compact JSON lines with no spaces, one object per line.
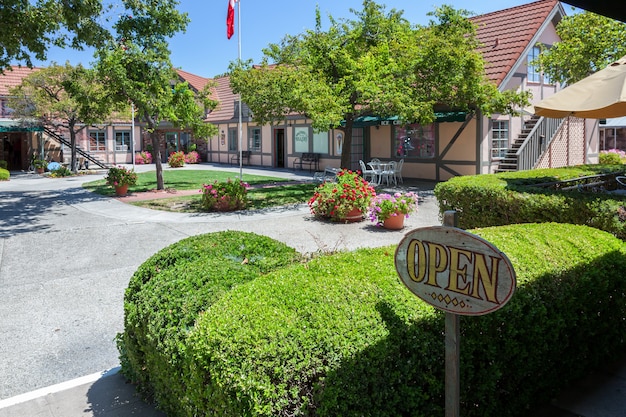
{"x":454,"y":269}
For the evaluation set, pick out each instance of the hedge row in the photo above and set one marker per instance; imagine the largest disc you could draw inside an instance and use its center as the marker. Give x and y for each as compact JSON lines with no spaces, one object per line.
{"x":4,"y":174}
{"x":510,"y":198}
{"x":341,"y":336}
{"x":168,"y":292}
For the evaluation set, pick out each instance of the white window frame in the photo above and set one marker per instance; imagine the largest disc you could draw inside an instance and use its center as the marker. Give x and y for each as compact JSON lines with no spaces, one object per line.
{"x":500,"y":138}
{"x":99,"y":138}
{"x":122,"y":140}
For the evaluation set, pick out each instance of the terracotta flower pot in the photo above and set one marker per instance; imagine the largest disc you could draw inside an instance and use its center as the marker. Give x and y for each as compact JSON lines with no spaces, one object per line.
{"x":394,"y":222}
{"x":121,"y":190}
{"x":354,"y":215}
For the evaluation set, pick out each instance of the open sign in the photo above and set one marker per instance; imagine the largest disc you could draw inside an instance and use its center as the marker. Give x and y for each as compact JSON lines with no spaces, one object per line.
{"x":454,"y":270}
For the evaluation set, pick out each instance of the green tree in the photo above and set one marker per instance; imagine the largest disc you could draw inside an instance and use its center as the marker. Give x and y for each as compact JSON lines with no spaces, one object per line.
{"x":62,"y":97}
{"x":377,"y":64}
{"x":29,"y":28}
{"x":137,"y":69}
{"x":589,"y":42}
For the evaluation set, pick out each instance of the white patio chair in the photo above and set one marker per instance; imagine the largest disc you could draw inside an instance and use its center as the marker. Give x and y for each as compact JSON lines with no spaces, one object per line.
{"x":389,"y":173}
{"x":367,"y":172}
{"x":374,"y":164}
{"x":398,"y":172}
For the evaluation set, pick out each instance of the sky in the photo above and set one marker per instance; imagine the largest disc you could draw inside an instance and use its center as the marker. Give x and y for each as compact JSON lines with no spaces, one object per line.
{"x":204,"y":49}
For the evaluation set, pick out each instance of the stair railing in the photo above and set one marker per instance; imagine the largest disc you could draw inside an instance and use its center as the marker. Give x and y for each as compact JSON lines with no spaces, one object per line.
{"x":79,"y":150}
{"x":537,"y":142}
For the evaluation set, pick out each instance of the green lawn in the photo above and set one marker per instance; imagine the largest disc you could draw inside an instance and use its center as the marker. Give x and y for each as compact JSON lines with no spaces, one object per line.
{"x":265,"y":191}
{"x":180,"y":180}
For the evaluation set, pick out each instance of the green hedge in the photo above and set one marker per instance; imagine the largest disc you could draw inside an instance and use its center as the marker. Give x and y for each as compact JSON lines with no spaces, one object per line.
{"x":4,"y":174}
{"x":341,"y":336}
{"x":510,"y":198}
{"x":168,"y":292}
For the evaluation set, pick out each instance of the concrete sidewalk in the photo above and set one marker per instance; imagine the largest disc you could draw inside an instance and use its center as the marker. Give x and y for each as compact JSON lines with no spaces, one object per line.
{"x":44,"y":375}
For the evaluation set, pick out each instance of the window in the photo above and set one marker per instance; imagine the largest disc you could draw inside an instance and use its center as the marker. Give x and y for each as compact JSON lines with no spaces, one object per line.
{"x":232,"y":139}
{"x":534,"y":73}
{"x":320,"y":142}
{"x":415,"y":141}
{"x":499,"y":138}
{"x":304,"y":142}
{"x":254,"y":139}
{"x":184,"y":141}
{"x":301,"y":139}
{"x":97,"y":141}
{"x":122,"y":141}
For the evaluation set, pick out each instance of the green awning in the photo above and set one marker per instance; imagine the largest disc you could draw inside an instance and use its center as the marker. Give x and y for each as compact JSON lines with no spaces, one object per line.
{"x":16,"y":126}
{"x":450,"y":116}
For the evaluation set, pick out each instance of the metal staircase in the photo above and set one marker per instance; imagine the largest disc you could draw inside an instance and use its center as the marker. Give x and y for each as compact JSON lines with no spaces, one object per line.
{"x":530,"y":144}
{"x":79,"y":151}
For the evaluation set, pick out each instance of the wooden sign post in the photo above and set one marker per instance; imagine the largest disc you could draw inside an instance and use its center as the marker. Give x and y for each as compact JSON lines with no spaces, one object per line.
{"x":457,"y":272}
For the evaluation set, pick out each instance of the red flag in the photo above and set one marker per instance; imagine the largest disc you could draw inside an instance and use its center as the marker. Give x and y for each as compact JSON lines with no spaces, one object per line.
{"x":230,"y":19}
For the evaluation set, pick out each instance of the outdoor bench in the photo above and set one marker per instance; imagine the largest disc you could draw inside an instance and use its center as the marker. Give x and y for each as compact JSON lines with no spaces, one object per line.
{"x":245,"y":156}
{"x":312,"y":160}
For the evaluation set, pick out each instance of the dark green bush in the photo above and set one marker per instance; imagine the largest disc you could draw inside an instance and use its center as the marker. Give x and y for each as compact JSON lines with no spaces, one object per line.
{"x":341,"y":336}
{"x":510,"y":198}
{"x":169,"y":291}
{"x":3,"y":164}
{"x":4,"y":174}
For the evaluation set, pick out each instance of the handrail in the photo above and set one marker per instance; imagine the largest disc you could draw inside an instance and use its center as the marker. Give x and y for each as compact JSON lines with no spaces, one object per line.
{"x":79,"y":150}
{"x":537,"y":142}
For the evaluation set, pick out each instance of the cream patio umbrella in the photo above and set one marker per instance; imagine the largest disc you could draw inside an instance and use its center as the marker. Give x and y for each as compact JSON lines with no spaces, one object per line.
{"x":602,"y":95}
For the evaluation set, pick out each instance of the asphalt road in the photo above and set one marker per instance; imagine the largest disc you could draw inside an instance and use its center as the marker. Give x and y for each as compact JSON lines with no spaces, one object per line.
{"x":66,"y":256}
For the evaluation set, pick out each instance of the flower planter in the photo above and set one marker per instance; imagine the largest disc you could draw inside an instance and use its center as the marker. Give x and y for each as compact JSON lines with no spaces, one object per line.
{"x":354,"y":215}
{"x":40,"y":170}
{"x":121,"y":190}
{"x":394,"y":222}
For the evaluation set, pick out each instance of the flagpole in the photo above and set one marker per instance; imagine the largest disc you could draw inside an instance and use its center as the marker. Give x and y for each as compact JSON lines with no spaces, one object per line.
{"x":240,"y":103}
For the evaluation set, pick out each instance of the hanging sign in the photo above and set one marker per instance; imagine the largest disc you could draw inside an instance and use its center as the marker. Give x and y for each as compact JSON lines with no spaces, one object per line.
{"x":454,"y":270}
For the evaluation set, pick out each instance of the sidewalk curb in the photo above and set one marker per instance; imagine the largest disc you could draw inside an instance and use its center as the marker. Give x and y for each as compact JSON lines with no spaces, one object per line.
{"x":53,"y":389}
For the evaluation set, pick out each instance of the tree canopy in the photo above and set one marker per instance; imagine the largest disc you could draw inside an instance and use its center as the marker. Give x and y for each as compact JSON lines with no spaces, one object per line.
{"x":136,"y":68}
{"x":376,"y":64}
{"x":65,"y":97}
{"x":29,"y":28}
{"x":589,"y":42}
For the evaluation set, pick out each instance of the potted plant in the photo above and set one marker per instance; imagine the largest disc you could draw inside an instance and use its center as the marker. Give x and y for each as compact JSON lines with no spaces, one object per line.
{"x":40,"y":165}
{"x":121,"y":178}
{"x":346,"y":199}
{"x":389,"y":211}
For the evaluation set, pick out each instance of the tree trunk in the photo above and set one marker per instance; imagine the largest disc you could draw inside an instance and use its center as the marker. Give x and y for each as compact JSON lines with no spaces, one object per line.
{"x":73,"y":158}
{"x":346,"y":150}
{"x":156,"y":157}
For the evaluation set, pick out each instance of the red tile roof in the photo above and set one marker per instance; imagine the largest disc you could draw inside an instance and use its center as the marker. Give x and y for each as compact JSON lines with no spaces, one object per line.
{"x":195,"y":81}
{"x":506,"y":33}
{"x":13,"y":78}
{"x":226,"y":98}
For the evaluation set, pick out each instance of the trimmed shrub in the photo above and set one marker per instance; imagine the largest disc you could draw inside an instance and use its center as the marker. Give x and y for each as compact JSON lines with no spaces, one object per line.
{"x":192,"y":157}
{"x":176,"y":159}
{"x":169,"y":291}
{"x":341,"y":336}
{"x":611,"y":157}
{"x":4,"y":174}
{"x":143,"y":157}
{"x":225,"y":196}
{"x":510,"y":198}
{"x":61,"y":171}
